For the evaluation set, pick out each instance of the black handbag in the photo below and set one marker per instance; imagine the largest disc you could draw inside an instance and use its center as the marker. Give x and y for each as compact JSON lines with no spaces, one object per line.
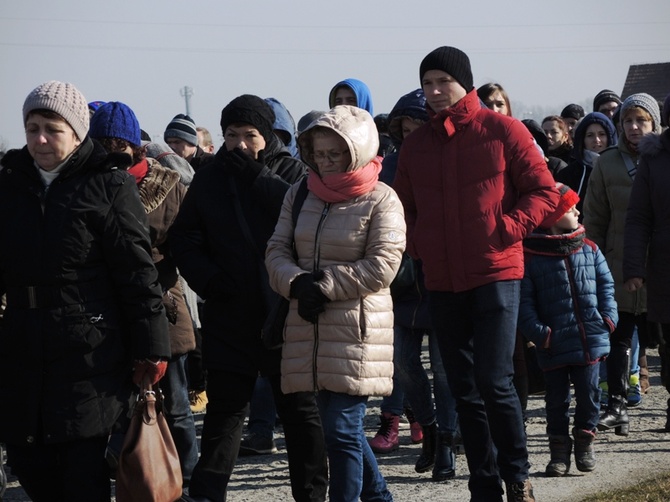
{"x":272,"y":332}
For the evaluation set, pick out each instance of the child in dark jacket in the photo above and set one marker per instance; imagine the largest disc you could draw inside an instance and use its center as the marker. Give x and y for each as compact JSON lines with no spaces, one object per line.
{"x":568,"y":310}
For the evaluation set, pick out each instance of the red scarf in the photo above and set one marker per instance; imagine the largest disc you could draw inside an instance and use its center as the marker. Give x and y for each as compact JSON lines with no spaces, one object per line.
{"x":139,"y":170}
{"x":344,"y":186}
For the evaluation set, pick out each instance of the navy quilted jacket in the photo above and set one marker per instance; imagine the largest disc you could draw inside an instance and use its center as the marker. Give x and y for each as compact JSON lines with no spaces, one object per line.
{"x":567,"y":299}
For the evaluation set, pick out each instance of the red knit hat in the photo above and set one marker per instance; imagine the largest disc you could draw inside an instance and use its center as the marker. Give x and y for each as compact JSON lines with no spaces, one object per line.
{"x":568,"y":199}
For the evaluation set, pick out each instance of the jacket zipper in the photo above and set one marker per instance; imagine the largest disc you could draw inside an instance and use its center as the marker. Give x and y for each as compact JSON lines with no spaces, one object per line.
{"x":580,"y":322}
{"x":315,"y":267}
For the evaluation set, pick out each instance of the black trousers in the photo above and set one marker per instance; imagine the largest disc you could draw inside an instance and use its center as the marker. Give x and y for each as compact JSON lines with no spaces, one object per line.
{"x":75,"y":471}
{"x":229,"y":395}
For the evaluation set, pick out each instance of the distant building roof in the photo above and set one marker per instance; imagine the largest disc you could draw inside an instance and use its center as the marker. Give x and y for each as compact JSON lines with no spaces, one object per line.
{"x":654,"y":79}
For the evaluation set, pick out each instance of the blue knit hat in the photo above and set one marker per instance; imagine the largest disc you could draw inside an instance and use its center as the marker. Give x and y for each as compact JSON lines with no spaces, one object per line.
{"x":116,"y":120}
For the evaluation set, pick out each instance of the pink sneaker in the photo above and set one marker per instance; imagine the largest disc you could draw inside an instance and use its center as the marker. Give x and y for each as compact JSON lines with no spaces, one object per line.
{"x":386,"y":439}
{"x":416,"y":432}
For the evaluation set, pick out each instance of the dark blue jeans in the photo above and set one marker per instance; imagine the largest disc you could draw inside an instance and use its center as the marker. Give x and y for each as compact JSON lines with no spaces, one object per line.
{"x":354,"y":473}
{"x":178,"y":414}
{"x":476,"y":330}
{"x":557,"y":398}
{"x":414,"y":380}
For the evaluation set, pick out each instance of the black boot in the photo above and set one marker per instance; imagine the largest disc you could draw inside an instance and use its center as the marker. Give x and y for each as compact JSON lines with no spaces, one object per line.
{"x":561,"y":449}
{"x":667,"y":420}
{"x":445,"y":459}
{"x":616,"y":415}
{"x":426,"y":460}
{"x":585,"y":460}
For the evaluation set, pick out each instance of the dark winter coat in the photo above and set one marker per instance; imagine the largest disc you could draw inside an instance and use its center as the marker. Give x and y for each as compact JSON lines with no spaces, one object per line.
{"x":83,"y":298}
{"x":576,"y":175}
{"x":473,"y":185}
{"x":200,"y":158}
{"x":161,"y":193}
{"x":646,"y":251}
{"x":217,"y":261}
{"x":567,"y":304}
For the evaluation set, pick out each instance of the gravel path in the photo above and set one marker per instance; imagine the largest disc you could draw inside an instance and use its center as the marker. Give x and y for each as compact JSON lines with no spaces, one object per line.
{"x":621,"y":460}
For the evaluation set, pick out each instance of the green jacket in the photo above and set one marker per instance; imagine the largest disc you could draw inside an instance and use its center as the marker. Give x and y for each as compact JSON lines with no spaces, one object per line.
{"x":605,"y":206}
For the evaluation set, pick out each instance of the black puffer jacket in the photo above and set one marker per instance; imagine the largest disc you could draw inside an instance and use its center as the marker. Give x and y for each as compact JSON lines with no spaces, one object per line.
{"x":82,"y":296}
{"x":213,"y":255}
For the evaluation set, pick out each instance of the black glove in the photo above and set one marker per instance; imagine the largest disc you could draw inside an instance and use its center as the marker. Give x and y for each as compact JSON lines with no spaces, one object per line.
{"x":301,"y":284}
{"x":243,"y":166}
{"x":311,"y":301}
{"x":310,"y":307}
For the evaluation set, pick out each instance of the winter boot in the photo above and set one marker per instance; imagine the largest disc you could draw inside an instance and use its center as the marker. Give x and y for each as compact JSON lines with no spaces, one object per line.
{"x":521,"y":491}
{"x":616,"y":415}
{"x":386,"y":439}
{"x":445,"y":459}
{"x":644,"y":371}
{"x":415,"y":429}
{"x":585,"y":460}
{"x":667,"y":420}
{"x":561,"y":449}
{"x":426,"y":460}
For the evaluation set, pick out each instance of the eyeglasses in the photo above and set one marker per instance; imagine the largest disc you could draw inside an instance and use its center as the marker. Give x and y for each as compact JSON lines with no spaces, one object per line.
{"x":331,"y":156}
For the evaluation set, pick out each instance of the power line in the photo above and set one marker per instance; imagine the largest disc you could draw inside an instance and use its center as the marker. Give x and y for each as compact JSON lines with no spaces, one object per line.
{"x":366,"y":27}
{"x":340,"y":51}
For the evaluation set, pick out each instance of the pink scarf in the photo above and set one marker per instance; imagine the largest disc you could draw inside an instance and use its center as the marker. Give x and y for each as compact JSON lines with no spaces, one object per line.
{"x":344,"y":186}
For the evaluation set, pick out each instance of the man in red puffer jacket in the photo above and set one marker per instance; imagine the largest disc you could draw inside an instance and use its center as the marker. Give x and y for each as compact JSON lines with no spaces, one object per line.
{"x":473,"y":185}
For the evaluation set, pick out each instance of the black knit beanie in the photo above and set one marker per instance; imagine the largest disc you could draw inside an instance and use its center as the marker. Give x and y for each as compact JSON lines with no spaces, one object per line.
{"x":450,"y":60}
{"x":603,"y":97}
{"x":249,"y":109}
{"x":573,"y":111}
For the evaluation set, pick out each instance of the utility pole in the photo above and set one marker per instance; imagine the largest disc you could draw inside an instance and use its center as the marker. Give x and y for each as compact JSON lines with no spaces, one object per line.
{"x":186,"y":92}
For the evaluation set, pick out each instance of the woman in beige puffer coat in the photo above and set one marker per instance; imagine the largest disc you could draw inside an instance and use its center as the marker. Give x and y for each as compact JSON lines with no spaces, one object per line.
{"x":338,"y":338}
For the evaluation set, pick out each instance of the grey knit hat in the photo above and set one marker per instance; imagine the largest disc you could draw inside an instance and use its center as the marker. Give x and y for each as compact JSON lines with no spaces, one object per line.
{"x":646,"y":102}
{"x":182,"y":127}
{"x":61,"y":98}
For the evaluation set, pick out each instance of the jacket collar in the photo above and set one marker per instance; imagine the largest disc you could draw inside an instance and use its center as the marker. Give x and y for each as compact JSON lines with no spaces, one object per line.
{"x":457,"y":116}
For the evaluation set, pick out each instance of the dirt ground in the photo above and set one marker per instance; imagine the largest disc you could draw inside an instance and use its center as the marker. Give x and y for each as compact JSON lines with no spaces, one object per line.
{"x":621,"y":460}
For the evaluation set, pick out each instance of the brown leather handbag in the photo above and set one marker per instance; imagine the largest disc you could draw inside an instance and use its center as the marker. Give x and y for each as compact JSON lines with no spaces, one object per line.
{"x":149,"y":469}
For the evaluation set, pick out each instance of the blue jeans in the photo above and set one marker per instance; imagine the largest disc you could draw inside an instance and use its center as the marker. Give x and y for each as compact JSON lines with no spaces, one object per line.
{"x":354,"y":473}
{"x":178,"y":414}
{"x":476,"y":331}
{"x":415,"y":383}
{"x":262,"y":410}
{"x":557,"y":398}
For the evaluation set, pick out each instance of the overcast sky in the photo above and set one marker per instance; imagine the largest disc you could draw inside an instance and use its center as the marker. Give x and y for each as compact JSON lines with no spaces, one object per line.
{"x":144,"y":52}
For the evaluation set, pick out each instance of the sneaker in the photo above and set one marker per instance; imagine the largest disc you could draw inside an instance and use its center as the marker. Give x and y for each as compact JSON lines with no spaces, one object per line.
{"x":521,"y":491}
{"x":3,"y":474}
{"x":198,"y":400}
{"x":634,"y":391}
{"x":253,"y":444}
{"x":386,"y":439}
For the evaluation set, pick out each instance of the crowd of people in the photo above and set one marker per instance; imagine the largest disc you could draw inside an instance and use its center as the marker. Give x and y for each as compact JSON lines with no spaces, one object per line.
{"x":507,"y":243}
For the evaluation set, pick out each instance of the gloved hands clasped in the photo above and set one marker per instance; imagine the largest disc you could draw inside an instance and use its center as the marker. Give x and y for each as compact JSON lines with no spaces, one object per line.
{"x":243,"y":166}
{"x":311,"y":301}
